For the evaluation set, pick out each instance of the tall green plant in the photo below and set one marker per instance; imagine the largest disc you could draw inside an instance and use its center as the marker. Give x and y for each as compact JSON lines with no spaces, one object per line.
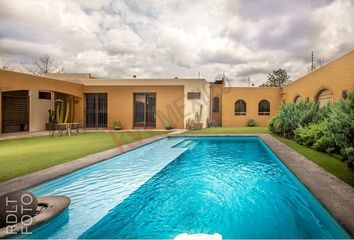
{"x":317,"y":137}
{"x":51,"y":115}
{"x":275,"y":124}
{"x":64,"y":109}
{"x":340,"y":124}
{"x":198,"y":115}
{"x":58,"y":106}
{"x":291,"y":116}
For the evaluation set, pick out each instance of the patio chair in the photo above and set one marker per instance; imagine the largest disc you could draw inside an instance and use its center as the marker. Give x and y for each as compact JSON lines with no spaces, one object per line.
{"x":60,"y":129}
{"x":75,"y":128}
{"x":52,"y":127}
{"x":81,"y":125}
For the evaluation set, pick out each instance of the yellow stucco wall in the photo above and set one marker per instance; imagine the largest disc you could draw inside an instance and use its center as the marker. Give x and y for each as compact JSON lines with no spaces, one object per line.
{"x":252,"y":96}
{"x":335,"y":76}
{"x":170,"y":98}
{"x":13,"y":81}
{"x":169,"y":103}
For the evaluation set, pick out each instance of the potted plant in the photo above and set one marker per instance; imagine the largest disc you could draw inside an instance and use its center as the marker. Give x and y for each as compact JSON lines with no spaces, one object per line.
{"x":189,"y":124}
{"x":50,"y":125}
{"x":170,"y":125}
{"x":198,"y":119}
{"x":117,"y":125}
{"x":51,"y":116}
{"x":250,"y":123}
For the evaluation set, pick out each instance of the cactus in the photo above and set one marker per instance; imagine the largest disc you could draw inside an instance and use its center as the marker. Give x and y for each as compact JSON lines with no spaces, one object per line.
{"x":58,"y":106}
{"x":51,"y":115}
{"x":71,"y":109}
{"x":64,"y":110}
{"x":67,"y":110}
{"x":189,"y":123}
{"x":198,"y":115}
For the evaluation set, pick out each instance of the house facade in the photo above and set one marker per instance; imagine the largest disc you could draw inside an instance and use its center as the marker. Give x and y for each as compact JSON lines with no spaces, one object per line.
{"x":98,"y":103}
{"x":155,"y":103}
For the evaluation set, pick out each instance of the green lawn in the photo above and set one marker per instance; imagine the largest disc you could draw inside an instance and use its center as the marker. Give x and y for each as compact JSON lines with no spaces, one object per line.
{"x":326,"y":161}
{"x":26,"y":155}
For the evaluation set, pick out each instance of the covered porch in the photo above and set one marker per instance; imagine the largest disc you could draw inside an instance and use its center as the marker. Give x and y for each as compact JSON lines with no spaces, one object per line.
{"x":33,"y":111}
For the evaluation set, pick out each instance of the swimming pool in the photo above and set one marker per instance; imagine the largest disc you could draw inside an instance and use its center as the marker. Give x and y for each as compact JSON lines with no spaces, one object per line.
{"x":234,"y":186}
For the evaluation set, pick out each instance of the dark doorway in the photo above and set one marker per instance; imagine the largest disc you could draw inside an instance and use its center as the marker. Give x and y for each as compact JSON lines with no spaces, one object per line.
{"x":96,"y":110}
{"x":145,"y":110}
{"x":15,"y":111}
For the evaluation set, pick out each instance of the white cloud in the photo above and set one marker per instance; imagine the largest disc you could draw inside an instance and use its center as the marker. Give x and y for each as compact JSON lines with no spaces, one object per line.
{"x":338,"y":35}
{"x":124,"y":40}
{"x":178,"y":46}
{"x":119,"y":38}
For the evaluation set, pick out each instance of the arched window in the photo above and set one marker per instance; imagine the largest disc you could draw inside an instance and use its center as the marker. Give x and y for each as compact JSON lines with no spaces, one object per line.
{"x":240,"y":107}
{"x":297,"y":99}
{"x":215,"y":104}
{"x":264,"y":107}
{"x":324,"y":97}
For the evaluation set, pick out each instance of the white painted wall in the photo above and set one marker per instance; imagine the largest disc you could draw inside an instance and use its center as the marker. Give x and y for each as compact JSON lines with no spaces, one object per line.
{"x":193,"y":105}
{"x":39,"y":110}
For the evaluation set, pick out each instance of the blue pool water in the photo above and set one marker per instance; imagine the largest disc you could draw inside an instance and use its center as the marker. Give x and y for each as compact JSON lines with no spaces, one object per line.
{"x":234,"y":186}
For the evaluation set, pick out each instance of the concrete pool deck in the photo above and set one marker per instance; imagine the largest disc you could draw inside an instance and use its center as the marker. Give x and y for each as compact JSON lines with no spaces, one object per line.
{"x":334,"y":194}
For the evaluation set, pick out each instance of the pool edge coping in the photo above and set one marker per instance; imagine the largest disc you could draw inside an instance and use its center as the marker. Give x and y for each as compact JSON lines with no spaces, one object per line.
{"x":334,"y":194}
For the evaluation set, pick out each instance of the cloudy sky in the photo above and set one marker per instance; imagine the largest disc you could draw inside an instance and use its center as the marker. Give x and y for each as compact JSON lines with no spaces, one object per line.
{"x":168,"y":38}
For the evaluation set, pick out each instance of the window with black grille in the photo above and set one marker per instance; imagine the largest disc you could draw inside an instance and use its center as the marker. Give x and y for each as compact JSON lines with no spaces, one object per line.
{"x":240,"y":107}
{"x":264,"y":107}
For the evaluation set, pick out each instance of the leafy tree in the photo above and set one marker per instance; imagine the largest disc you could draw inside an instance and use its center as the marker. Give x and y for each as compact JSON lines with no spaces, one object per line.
{"x":43,"y":65}
{"x":278,"y":78}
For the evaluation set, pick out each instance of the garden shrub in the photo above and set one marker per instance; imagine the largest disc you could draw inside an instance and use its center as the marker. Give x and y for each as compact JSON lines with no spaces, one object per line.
{"x":292,"y":116}
{"x":250,"y":123}
{"x":307,"y":136}
{"x":328,"y":129}
{"x":275,"y":125}
{"x":325,"y":144}
{"x":317,"y":137}
{"x":340,"y":124}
